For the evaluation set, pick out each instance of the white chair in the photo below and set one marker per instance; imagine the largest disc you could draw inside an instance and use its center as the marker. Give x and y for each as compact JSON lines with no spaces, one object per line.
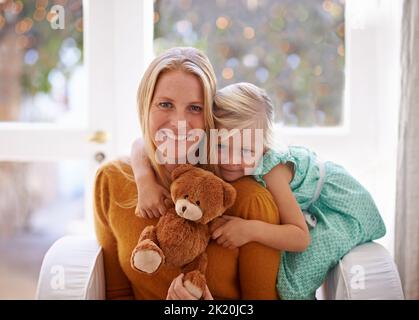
{"x":73,"y":269}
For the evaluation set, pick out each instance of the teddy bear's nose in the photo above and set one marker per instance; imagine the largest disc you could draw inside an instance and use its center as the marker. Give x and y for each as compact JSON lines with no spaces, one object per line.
{"x":183,"y":209}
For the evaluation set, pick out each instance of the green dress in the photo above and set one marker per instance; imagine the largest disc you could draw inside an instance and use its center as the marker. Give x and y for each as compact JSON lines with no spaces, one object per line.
{"x":344,"y":213}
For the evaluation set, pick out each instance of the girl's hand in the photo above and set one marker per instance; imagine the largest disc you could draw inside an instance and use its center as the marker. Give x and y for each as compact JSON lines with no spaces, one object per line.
{"x":178,"y":292}
{"x":151,"y":199}
{"x":234,"y":233}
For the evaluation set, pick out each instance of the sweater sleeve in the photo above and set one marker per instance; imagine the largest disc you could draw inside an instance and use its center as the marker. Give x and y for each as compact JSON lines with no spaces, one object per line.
{"x":258,"y":264}
{"x":117,"y":284}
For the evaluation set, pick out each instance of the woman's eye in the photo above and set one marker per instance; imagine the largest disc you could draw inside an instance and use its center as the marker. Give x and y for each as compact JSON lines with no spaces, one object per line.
{"x":196,"y":108}
{"x":198,"y":203}
{"x":165,"y":105}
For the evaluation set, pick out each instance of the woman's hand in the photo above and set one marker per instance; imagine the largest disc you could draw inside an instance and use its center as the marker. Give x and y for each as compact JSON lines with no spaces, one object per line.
{"x":178,"y":292}
{"x":234,"y":233}
{"x":151,"y":199}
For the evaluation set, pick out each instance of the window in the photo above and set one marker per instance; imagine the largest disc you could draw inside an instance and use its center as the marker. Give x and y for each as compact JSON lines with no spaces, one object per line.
{"x":42,"y":186}
{"x":293,"y":49}
{"x":41,"y":77}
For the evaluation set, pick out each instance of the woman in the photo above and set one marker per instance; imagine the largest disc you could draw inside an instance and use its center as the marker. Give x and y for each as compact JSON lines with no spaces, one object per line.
{"x":179,"y":85}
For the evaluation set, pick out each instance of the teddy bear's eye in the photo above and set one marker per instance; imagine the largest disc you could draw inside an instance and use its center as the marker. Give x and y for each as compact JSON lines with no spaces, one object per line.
{"x":186,"y":197}
{"x":198,"y":203}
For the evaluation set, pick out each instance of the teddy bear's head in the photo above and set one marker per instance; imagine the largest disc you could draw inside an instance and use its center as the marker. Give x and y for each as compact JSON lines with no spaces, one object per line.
{"x":200,"y":195}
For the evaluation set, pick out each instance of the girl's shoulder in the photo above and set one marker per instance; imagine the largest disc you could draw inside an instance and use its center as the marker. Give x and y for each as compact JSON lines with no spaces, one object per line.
{"x":294,"y":157}
{"x":286,"y":154}
{"x":270,"y":160}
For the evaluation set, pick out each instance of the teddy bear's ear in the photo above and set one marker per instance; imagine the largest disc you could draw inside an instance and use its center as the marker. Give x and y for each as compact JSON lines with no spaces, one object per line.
{"x":229,"y":195}
{"x":181,"y":169}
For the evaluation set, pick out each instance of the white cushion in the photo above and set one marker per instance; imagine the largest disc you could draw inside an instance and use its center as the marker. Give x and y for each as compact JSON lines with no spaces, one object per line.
{"x":366,"y":272}
{"x":72,"y":269}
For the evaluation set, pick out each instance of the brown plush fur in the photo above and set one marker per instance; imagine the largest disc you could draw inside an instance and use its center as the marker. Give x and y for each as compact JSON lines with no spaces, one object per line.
{"x":181,"y":236}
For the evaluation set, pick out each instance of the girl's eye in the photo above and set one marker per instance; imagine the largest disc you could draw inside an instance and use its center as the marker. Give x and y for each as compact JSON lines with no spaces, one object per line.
{"x":196,"y":108}
{"x":165,"y":105}
{"x":198,"y":203}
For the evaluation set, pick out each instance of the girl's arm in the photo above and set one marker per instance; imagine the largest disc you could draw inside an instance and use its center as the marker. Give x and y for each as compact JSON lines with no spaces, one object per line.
{"x":140,"y":163}
{"x":151,"y":194}
{"x":292,"y":234}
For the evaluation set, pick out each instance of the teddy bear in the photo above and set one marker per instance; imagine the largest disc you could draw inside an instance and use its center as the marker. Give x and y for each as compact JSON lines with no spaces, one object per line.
{"x":181,"y":236}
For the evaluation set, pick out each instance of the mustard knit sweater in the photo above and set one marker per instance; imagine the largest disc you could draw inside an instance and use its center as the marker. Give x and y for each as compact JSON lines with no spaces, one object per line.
{"x":246,"y":273}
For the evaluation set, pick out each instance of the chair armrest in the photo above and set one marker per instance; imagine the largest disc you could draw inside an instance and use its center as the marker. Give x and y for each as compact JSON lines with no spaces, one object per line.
{"x":72,"y":269}
{"x":366,"y":272}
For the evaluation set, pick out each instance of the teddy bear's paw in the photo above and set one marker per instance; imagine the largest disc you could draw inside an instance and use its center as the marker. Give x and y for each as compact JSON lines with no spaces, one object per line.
{"x":147,"y":257}
{"x":195,"y":283}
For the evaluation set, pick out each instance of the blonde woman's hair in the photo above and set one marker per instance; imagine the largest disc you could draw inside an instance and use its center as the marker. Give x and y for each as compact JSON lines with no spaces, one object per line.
{"x":244,"y":105}
{"x":186,"y":59}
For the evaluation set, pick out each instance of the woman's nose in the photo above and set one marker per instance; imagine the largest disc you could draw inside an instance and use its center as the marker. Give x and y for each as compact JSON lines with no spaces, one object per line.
{"x":178,"y":119}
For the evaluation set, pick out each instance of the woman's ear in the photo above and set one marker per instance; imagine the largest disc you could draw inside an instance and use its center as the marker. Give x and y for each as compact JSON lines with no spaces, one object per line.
{"x":181,"y":169}
{"x":229,"y":195}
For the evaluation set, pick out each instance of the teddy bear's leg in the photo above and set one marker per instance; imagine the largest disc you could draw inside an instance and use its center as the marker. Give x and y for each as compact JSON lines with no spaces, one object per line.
{"x":147,"y":257}
{"x":194,"y":279}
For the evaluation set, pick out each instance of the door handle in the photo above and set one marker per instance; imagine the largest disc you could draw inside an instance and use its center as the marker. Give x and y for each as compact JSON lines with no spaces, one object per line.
{"x":99,"y":136}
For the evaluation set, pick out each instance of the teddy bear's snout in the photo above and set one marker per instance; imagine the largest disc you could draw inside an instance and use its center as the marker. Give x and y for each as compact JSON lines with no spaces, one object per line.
{"x":187,"y":210}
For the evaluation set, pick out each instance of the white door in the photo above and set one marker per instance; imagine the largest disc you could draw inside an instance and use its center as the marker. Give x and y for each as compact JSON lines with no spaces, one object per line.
{"x":107,"y":123}
{"x":48,"y":159}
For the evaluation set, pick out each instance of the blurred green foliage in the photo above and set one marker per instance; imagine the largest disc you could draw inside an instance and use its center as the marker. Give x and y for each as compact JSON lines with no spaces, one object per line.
{"x":292,"y":48}
{"x":41,"y":45}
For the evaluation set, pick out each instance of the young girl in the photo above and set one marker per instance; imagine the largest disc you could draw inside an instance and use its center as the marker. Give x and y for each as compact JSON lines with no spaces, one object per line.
{"x":339,"y":212}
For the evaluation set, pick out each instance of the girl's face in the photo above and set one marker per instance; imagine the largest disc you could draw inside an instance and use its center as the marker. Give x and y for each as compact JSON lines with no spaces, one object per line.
{"x":242,"y":157}
{"x":177,"y":104}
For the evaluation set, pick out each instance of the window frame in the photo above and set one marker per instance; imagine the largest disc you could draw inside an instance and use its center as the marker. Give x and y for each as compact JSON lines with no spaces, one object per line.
{"x":365,"y":143}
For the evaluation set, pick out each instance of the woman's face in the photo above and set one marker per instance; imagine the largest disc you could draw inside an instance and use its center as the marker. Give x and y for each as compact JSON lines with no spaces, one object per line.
{"x":178,"y":107}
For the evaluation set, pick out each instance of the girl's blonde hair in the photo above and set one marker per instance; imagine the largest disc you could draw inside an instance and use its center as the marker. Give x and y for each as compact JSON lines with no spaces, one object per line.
{"x":186,"y":59}
{"x":244,"y":105}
